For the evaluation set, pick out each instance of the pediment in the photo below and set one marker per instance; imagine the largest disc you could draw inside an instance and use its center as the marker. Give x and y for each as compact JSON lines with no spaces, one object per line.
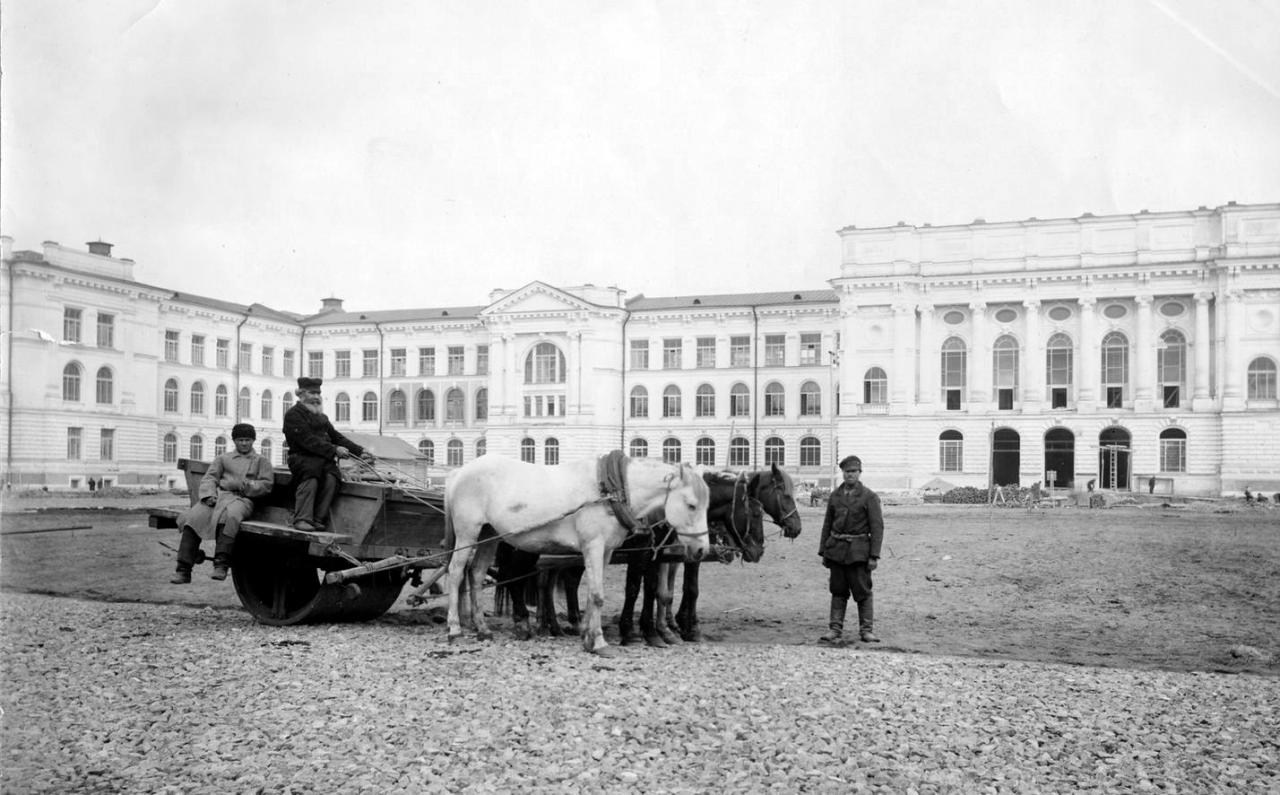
{"x":536,"y":298}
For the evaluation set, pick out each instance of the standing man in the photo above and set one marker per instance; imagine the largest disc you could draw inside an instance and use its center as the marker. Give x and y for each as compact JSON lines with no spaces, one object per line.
{"x":852,"y":532}
{"x":314,"y":449}
{"x":224,"y":500}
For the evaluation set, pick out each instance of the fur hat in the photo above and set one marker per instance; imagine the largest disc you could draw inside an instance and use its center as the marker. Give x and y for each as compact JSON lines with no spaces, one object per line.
{"x":309,"y":384}
{"x":243,"y":430}
{"x":850,"y":462}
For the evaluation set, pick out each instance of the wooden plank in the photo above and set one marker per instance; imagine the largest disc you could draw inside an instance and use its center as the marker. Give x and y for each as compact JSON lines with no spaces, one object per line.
{"x":163,"y":518}
{"x":293,"y":534}
{"x":393,"y":562}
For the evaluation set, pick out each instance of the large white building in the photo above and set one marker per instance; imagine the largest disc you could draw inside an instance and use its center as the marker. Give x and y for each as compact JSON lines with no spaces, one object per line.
{"x":1114,"y":349}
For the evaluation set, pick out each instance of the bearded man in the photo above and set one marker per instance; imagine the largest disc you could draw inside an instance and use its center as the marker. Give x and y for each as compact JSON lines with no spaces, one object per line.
{"x":314,"y":449}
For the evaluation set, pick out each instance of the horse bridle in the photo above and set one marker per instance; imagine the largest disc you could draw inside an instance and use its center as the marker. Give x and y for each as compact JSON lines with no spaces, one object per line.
{"x":684,"y":469}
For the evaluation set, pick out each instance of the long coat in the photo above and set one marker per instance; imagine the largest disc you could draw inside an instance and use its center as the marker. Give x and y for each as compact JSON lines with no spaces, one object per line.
{"x":853,"y":528}
{"x":234,"y":480}
{"x":313,"y":443}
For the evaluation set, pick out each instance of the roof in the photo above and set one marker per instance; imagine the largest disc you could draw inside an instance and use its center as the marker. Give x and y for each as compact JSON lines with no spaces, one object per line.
{"x":394,"y":315}
{"x":640,"y":303}
{"x":385,"y":446}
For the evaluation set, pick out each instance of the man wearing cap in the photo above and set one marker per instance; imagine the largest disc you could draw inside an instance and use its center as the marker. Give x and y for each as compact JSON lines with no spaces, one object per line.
{"x":852,"y":532}
{"x":314,"y":449}
{"x":224,"y":500}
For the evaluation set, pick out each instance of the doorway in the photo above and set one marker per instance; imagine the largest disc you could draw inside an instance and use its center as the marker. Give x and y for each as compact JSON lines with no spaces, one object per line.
{"x":1059,"y":458}
{"x":1114,"y":458}
{"x":1006,"y":457}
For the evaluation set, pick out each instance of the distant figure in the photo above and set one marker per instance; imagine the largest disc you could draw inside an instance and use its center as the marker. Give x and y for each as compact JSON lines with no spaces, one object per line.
{"x":1090,"y":484}
{"x":1151,"y":485}
{"x":90,"y":485}
{"x":1248,"y":495}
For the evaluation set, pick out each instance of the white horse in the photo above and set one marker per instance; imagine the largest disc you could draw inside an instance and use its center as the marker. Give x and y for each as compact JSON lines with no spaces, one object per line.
{"x":559,"y":509}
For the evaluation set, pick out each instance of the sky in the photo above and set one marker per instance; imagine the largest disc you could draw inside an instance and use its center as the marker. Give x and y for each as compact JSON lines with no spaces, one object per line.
{"x":411,"y":154}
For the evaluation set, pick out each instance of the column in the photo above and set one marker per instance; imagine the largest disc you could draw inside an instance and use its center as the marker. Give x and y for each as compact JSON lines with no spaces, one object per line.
{"x":929,"y":364}
{"x":1088,"y":365}
{"x":1144,"y":369}
{"x":850,"y":373}
{"x":902,"y":380}
{"x":1033,"y":357}
{"x":1203,"y":347}
{"x":1232,"y":392}
{"x":510,"y":377}
{"x":980,"y":363}
{"x":573,"y":376}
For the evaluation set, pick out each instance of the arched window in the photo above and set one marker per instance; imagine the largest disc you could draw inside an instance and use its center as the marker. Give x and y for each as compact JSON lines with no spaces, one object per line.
{"x":1115,"y":368}
{"x":775,"y":451}
{"x":739,"y":401}
{"x":1262,"y":379}
{"x":219,"y":445}
{"x":105,"y":386}
{"x":671,"y":401}
{"x":268,"y":402}
{"x":775,"y":400}
{"x":197,"y":400}
{"x":528,"y":450}
{"x":1059,"y":364}
{"x":638,"y":448}
{"x":369,"y":407}
{"x":286,"y":403}
{"x":482,"y":404}
{"x":739,"y":452}
{"x":266,"y":449}
{"x":171,"y":396}
{"x":425,"y":404}
{"x":704,"y":452}
{"x":1173,"y":450}
{"x":453,"y":409}
{"x":1171,"y":367}
{"x":810,"y":399}
{"x":704,"y":403}
{"x":875,"y":386}
{"x":453,"y":453}
{"x":169,"y":453}
{"x":1004,"y":370}
{"x":244,"y":404}
{"x":955,"y":361}
{"x":951,"y":451}
{"x":396,"y":405}
{"x":639,"y":402}
{"x":427,"y":449}
{"x":482,"y":447}
{"x":551,"y":451}
{"x":671,"y":450}
{"x":71,"y":382}
{"x":342,"y":408}
{"x":810,"y":451}
{"x":197,"y":447}
{"x":220,"y":401}
{"x":544,"y":365}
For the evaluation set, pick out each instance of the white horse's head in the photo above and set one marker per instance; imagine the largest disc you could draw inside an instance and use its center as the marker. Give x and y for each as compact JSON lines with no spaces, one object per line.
{"x":685,"y":509}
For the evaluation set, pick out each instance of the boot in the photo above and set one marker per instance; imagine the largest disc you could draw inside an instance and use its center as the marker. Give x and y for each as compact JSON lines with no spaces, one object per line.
{"x":222,"y":556}
{"x":181,"y":577}
{"x":835,"y":634}
{"x":866,"y":619}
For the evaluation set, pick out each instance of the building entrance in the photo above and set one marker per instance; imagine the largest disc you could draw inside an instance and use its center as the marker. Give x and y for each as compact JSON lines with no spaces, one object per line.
{"x":1059,"y":458}
{"x":1006,"y":457}
{"x":1114,"y":458}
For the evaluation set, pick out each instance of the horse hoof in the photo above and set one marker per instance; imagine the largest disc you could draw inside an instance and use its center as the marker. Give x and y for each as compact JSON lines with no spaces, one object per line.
{"x":692,"y":635}
{"x":486,"y":635}
{"x":670,"y":638}
{"x":655,"y":641}
{"x":605,"y":651}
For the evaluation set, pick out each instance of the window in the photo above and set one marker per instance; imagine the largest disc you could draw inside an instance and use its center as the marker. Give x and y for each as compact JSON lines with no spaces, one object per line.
{"x":369,"y":363}
{"x":398,"y":362}
{"x":244,"y":404}
{"x":315,"y":364}
{"x":551,"y":451}
{"x":268,"y":360}
{"x":265,"y":450}
{"x":810,"y":451}
{"x":75,"y":440}
{"x":71,"y":320}
{"x":639,"y":402}
{"x":219,"y":445}
{"x":286,"y":403}
{"x":71,"y":382}
{"x":875,"y":386}
{"x":739,"y":351}
{"x":544,"y":405}
{"x":671,"y":401}
{"x":369,"y":407}
{"x":775,"y":400}
{"x":482,"y":447}
{"x":638,"y":448}
{"x":1115,"y":368}
{"x":169,"y":448}
{"x":528,"y":450}
{"x":739,"y":452}
{"x":455,"y":360}
{"x":951,"y":451}
{"x":739,"y":401}
{"x":107,"y":444}
{"x":342,"y":408}
{"x":1171,"y":367}
{"x":220,"y":401}
{"x":287,"y":361}
{"x":196,"y":447}
{"x":266,"y":403}
{"x":197,"y":400}
{"x":775,"y":451}
{"x":1173,"y":450}
{"x":1262,"y":379}
{"x":171,"y":396}
{"x":704,"y":403}
{"x":544,"y":365}
{"x":171,"y":346}
{"x":427,"y":449}
{"x":245,"y":362}
{"x":453,"y":453}
{"x":105,"y":386}
{"x":197,"y":350}
{"x":106,"y":330}
{"x":671,"y":350}
{"x":453,"y":406}
{"x":706,"y":351}
{"x":425,"y":406}
{"x":342,"y":364}
{"x":639,"y":354}
{"x":482,"y":360}
{"x":810,"y":399}
{"x":1058,"y":366}
{"x":775,"y":350}
{"x":222,"y":354}
{"x":396,"y":405}
{"x":954,"y":367}
{"x":1004,"y":370}
{"x":810,"y":349}
{"x":482,"y":404}
{"x":671,"y":450}
{"x":704,"y":452}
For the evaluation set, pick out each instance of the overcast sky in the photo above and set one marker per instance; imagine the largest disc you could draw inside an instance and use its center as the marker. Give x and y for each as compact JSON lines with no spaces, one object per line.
{"x":421,"y":154}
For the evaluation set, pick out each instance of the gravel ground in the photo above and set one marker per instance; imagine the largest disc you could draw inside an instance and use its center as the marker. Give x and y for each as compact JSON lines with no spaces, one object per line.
{"x":125,"y":697}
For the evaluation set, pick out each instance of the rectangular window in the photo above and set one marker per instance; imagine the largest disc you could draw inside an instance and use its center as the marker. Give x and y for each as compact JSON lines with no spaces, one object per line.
{"x":704,"y":403}
{"x":75,"y":440}
{"x":951,"y":455}
{"x":671,"y":350}
{"x":71,"y":320}
{"x":197,"y":350}
{"x":639,"y":403}
{"x":1058,"y":397}
{"x":875,"y":389}
{"x":775,"y":350}
{"x":775,"y":403}
{"x":1115,"y":397}
{"x":342,"y":411}
{"x":706,"y":351}
{"x":369,"y":365}
{"x":287,"y":362}
{"x":245,"y":362}
{"x":544,"y":405}
{"x":810,"y":403}
{"x":953,"y":399}
{"x":171,"y":345}
{"x":739,"y":351}
{"x":740,"y":403}
{"x":268,"y":360}
{"x":639,"y":354}
{"x":106,"y":330}
{"x":107,"y":445}
{"x":671,"y":403}
{"x":220,"y":402}
{"x":398,"y":358}
{"x":1173,"y":455}
{"x":223,"y":354}
{"x":455,"y":360}
{"x":426,"y":361}
{"x":342,"y":364}
{"x":810,"y":349}
{"x":315,"y":364}
{"x":1171,"y":396}
{"x":482,"y":360}
{"x":1004,"y":399}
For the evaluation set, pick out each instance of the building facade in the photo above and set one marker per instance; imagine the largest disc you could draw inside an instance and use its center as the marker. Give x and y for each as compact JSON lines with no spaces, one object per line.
{"x":1113,"y":349}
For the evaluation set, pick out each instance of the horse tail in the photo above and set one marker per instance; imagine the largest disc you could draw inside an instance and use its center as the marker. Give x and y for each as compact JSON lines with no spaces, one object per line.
{"x":450,"y":539}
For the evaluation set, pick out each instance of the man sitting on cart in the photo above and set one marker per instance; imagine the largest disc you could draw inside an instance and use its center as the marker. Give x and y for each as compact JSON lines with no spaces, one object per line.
{"x":314,"y":449}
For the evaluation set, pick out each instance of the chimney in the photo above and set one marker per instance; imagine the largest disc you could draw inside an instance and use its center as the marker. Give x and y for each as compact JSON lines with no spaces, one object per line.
{"x":330,"y":305}
{"x":100,"y":248}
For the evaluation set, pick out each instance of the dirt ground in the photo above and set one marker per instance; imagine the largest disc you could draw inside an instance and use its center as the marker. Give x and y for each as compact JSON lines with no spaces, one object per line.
{"x":1189,"y":588}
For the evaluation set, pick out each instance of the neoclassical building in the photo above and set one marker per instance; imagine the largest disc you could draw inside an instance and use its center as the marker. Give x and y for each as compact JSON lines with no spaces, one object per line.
{"x":1115,"y":349}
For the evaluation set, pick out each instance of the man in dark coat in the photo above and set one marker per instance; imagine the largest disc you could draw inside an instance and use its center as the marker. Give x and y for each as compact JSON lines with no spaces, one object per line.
{"x":314,"y":449}
{"x":852,"y":533}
